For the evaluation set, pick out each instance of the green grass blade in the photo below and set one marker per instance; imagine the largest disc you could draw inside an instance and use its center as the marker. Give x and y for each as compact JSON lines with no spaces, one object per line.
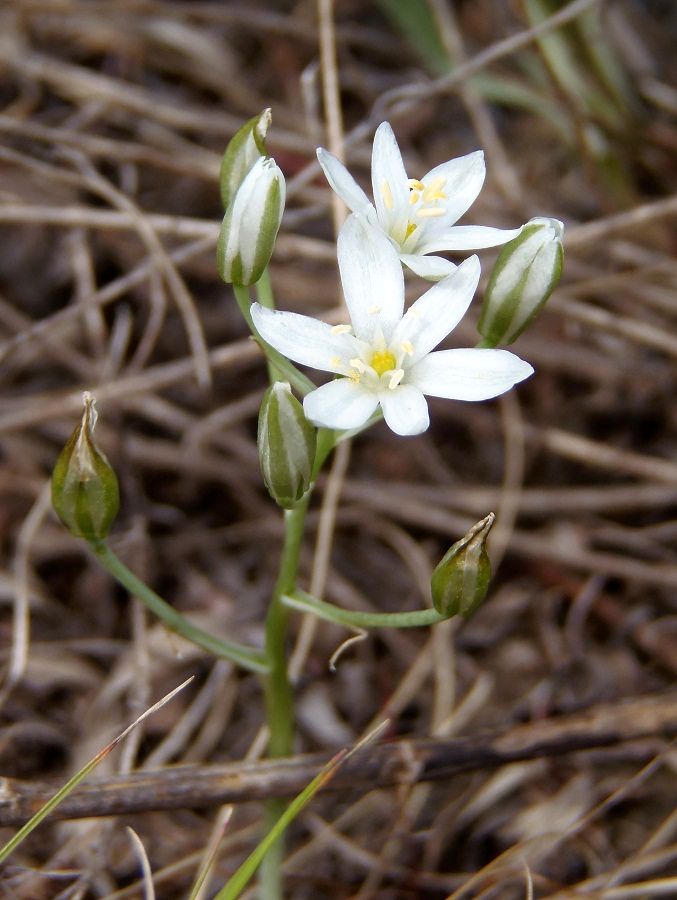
{"x":416,"y":22}
{"x":73,"y":782}
{"x":240,"y":879}
{"x":237,"y":883}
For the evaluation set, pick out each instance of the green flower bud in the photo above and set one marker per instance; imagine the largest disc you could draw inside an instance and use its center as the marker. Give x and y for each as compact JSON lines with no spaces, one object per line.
{"x":245,"y":147}
{"x":286,"y":442}
{"x":85,"y":492}
{"x":461,"y":579}
{"x":250,"y":226}
{"x":525,"y":274}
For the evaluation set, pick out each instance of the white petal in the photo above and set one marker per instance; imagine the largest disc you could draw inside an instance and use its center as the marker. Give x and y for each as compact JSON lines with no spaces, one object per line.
{"x":432,"y":268}
{"x":372,"y":279}
{"x":472,"y":374}
{"x":389,"y":182}
{"x":405,"y":409}
{"x":305,"y":340}
{"x":343,"y":183}
{"x":438,"y":311}
{"x":467,"y":237}
{"x":463,"y":180}
{"x":340,"y":404}
{"x":252,"y":209}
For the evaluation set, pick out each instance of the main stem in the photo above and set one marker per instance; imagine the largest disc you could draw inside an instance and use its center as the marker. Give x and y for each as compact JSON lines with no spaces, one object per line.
{"x":278,"y":692}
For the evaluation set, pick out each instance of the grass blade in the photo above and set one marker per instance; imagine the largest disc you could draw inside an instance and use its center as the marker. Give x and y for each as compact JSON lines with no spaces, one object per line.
{"x":73,"y":782}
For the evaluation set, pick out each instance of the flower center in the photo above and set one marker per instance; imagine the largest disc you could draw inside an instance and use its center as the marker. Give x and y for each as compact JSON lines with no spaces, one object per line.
{"x":382,"y":361}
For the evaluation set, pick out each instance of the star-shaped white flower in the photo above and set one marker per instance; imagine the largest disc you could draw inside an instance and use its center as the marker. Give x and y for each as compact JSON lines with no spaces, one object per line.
{"x":385,"y":355}
{"x":418,"y":216}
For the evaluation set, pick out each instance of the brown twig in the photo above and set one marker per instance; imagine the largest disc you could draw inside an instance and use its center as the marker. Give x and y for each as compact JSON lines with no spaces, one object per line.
{"x":401,"y":762}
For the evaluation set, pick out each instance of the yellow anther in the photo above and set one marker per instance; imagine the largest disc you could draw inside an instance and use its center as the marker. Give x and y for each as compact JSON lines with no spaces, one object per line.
{"x":414,"y":197}
{"x":407,"y":347}
{"x":341,"y":329}
{"x":411,"y":228}
{"x":434,"y":191}
{"x":382,"y":361}
{"x":357,"y":364}
{"x":416,"y":185}
{"x":395,"y":378}
{"x":335,"y":362}
{"x":430,"y":212}
{"x":354,"y":377}
{"x":374,"y":310}
{"x":387,"y":194}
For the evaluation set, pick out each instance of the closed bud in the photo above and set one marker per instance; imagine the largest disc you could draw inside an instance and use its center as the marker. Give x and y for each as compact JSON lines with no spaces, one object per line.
{"x":461,"y":579}
{"x":286,"y":442}
{"x":245,"y":147}
{"x":525,"y":274}
{"x":85,"y":492}
{"x":251,"y":223}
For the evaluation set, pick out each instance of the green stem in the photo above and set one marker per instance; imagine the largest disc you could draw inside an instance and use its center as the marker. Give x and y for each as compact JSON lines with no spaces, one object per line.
{"x":246,"y":657}
{"x":264,"y":290}
{"x":278,"y":692}
{"x":485,"y":344}
{"x":306,"y":603}
{"x":282,"y":368}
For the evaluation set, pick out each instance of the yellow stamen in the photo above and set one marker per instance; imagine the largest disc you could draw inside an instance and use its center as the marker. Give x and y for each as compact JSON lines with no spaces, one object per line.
{"x":341,"y":329}
{"x":431,"y":212}
{"x":408,"y":347}
{"x":382,"y":361}
{"x":395,"y":378}
{"x":414,"y":197}
{"x":434,"y":191}
{"x":415,"y":184}
{"x":387,"y":194}
{"x":335,"y":362}
{"x":411,"y":228}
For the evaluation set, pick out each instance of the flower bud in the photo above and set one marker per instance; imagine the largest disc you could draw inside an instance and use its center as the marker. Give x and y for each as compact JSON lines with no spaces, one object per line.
{"x":251,"y":223}
{"x":85,"y":492}
{"x":460,"y":581}
{"x":525,"y":274}
{"x":244,"y":148}
{"x":286,"y":442}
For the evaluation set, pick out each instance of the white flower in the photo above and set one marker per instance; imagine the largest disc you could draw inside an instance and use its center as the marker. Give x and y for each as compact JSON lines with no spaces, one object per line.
{"x":418,"y":216}
{"x":385,"y":355}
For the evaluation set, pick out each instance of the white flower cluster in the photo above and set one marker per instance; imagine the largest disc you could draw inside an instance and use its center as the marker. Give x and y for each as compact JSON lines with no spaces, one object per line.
{"x":385,"y":357}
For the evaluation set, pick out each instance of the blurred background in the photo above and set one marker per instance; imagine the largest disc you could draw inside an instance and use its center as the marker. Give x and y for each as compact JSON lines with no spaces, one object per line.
{"x":114,"y":116}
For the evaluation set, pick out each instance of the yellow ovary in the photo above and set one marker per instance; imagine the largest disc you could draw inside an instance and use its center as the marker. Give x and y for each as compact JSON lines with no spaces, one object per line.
{"x":383,"y":361}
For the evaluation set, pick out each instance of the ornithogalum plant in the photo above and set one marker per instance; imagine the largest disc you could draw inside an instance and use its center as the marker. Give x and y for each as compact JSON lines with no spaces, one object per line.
{"x":383,"y":363}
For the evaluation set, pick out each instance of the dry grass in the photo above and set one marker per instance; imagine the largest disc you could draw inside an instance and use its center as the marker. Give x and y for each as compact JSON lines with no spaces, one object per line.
{"x":114,"y":117}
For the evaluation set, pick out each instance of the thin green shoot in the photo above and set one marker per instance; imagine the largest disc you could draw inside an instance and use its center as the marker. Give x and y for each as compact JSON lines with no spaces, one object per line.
{"x":79,"y":776}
